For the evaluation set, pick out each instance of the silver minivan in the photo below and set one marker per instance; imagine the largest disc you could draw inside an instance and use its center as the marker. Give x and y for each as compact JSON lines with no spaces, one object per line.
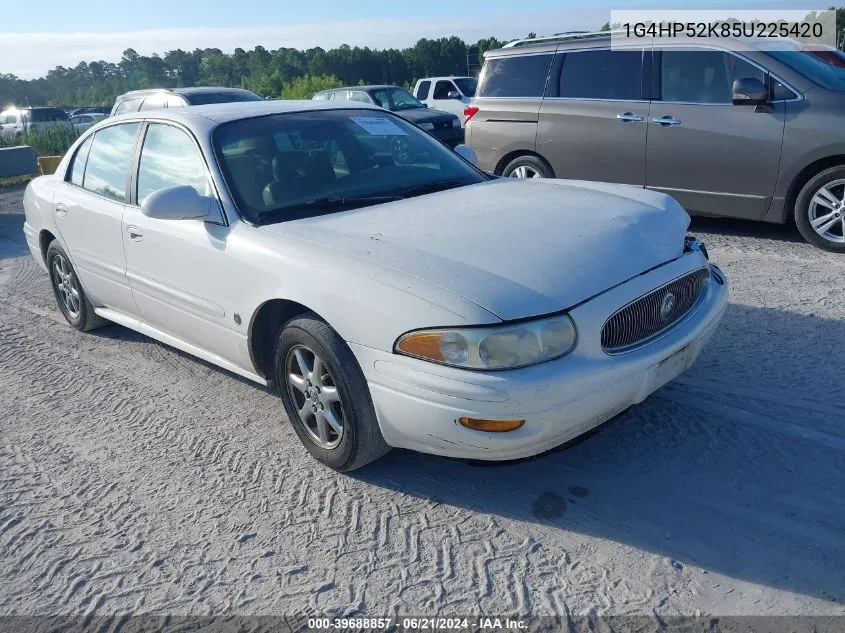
{"x":739,"y":133}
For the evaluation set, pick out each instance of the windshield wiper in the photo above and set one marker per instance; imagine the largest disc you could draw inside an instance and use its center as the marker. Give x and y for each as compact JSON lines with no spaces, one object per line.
{"x":431,"y":187}
{"x":336,"y":202}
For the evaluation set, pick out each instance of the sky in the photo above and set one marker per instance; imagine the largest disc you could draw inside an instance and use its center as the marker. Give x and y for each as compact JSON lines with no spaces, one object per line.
{"x":35,"y":37}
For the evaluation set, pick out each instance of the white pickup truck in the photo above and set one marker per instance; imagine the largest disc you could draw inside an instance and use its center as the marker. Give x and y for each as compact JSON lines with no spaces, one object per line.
{"x":450,"y":94}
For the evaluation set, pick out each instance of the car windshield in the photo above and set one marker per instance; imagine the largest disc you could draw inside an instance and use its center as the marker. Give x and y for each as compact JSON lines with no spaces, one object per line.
{"x":397,"y":99}
{"x":288,"y":166}
{"x":467,"y":85}
{"x":813,"y":67}
{"x":204,"y":98}
{"x":44,"y":115}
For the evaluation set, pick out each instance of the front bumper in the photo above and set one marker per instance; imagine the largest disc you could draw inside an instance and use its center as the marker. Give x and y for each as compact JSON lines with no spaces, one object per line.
{"x":418,"y":403}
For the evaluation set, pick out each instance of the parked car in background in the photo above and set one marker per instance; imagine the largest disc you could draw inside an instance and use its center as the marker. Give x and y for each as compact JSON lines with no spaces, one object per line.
{"x":158,"y":98}
{"x":420,"y":304}
{"x":442,"y":125}
{"x":104,"y":110}
{"x":16,"y":121}
{"x":450,"y":94}
{"x":742,"y":133}
{"x":82,"y":122}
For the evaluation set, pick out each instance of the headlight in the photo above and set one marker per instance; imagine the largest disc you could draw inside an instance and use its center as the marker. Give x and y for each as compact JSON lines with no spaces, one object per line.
{"x":428,"y":127}
{"x":496,"y":347}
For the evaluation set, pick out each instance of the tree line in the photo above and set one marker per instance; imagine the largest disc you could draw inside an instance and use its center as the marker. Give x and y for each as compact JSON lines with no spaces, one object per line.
{"x":285,"y":72}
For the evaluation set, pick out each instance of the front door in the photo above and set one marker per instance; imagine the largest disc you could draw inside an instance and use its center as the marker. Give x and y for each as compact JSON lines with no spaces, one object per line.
{"x":88,"y":207}
{"x":593,"y":120}
{"x":714,"y":157}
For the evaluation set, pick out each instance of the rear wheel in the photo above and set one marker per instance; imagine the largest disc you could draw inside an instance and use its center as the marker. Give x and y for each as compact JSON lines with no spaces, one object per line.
{"x":72,"y":300}
{"x":820,"y":210}
{"x":326,"y":396}
{"x":527,"y":167}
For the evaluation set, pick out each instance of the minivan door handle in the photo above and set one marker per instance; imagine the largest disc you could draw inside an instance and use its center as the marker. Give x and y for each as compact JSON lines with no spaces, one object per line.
{"x":629,"y":117}
{"x":667,"y":120}
{"x":135,"y":233}
{"x":61,"y":210}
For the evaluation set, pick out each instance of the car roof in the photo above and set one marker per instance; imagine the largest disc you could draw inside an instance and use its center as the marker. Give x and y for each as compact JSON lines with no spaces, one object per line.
{"x":183,"y":91}
{"x":224,"y":112}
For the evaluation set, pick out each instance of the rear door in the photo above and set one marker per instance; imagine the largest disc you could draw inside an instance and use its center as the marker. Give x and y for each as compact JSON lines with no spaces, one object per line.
{"x":592,"y":123}
{"x":510,"y":91}
{"x":714,"y":157}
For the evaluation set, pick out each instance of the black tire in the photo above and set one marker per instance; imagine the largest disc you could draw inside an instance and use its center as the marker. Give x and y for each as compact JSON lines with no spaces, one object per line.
{"x":361,"y":441}
{"x":803,"y":203}
{"x":83,"y":318}
{"x":531,"y":164}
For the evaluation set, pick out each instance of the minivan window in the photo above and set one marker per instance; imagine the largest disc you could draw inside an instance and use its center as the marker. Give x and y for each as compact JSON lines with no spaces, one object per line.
{"x":169,"y":158}
{"x":154,"y":102}
{"x":130,"y":105}
{"x":518,"y":76}
{"x":602,"y":74}
{"x":703,"y":76}
{"x":109,"y":159}
{"x":813,"y":68}
{"x":422,"y":90}
{"x":467,"y":85}
{"x":204,"y":98}
{"x":77,"y":167}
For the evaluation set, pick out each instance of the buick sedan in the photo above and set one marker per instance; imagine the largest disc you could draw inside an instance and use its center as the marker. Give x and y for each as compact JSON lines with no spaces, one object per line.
{"x":396,"y":295}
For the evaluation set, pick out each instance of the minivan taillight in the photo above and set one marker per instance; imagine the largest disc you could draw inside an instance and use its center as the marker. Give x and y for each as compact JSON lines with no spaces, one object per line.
{"x":469,"y":112}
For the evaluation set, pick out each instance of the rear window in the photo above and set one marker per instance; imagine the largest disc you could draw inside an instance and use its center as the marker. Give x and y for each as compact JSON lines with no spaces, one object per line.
{"x":204,"y":98}
{"x":43,"y":115}
{"x":602,"y":74}
{"x":520,"y":76}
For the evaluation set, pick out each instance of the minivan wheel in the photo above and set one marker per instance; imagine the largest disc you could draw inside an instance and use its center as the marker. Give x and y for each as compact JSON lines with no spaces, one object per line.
{"x":527,"y":167}
{"x":72,"y":300}
{"x":820,"y":210}
{"x":325,"y":395}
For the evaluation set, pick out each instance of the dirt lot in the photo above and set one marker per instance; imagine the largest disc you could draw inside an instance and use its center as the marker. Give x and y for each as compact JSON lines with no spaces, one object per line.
{"x":134,"y":478}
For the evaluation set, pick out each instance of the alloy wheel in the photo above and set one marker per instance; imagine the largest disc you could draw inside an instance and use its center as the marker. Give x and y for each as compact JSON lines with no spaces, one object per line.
{"x":67,"y":286}
{"x":827,"y":211}
{"x":524,"y":171}
{"x":314,"y":393}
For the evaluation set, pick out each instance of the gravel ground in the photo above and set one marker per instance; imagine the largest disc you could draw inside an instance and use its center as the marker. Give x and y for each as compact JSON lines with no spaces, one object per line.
{"x":134,"y":478}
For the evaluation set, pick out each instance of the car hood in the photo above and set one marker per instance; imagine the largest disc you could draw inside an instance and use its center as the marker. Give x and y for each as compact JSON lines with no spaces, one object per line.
{"x":517,"y":248}
{"x":424,"y":115}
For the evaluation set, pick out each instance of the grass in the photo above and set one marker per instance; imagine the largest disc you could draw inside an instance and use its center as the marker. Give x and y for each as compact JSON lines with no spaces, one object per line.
{"x":18,"y":182}
{"x":53,"y":141}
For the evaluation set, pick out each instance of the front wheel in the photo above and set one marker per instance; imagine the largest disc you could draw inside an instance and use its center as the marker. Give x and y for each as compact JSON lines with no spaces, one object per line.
{"x":527,"y":167}
{"x":820,"y":210}
{"x":326,"y":396}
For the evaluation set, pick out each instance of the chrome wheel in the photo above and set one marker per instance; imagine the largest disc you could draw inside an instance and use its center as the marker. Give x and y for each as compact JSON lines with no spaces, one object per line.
{"x":67,"y":286}
{"x":525,"y":171}
{"x":314,"y":394}
{"x":827,"y":211}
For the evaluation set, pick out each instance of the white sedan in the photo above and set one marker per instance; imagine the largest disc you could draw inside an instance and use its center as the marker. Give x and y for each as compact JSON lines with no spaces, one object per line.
{"x":396,"y":295}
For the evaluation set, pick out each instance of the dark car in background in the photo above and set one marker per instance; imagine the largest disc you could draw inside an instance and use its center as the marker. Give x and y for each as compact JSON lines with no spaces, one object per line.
{"x":157,"y":98}
{"x":444,"y":126}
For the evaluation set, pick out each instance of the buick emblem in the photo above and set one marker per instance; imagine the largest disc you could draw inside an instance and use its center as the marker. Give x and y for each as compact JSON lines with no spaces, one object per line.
{"x":667,"y":304}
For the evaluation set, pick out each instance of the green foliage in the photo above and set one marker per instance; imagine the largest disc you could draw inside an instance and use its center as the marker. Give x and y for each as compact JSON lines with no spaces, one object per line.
{"x":304,"y":87}
{"x":52,"y":141}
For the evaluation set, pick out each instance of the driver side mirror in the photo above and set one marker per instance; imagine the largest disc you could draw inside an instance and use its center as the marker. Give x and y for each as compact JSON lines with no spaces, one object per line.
{"x":181,"y":202}
{"x":453,"y":94}
{"x":749,"y":91}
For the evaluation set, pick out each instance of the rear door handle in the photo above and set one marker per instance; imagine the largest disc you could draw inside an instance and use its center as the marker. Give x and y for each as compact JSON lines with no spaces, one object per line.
{"x":667,"y":120}
{"x":629,"y":117}
{"x":135,"y":233}
{"x":61,"y":210}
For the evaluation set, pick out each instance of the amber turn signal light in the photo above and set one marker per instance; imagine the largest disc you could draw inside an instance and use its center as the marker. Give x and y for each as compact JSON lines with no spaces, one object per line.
{"x":493,"y":426}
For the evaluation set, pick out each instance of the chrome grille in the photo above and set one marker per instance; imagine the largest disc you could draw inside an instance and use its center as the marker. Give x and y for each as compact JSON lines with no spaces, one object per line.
{"x":651,"y":314}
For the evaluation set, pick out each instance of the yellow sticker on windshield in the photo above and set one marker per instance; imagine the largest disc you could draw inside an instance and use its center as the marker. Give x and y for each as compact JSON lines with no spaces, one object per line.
{"x":378,"y":126}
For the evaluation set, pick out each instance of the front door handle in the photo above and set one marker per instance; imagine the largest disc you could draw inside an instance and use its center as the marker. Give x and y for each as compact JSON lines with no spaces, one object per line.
{"x":629,"y":117}
{"x":667,"y":120}
{"x":135,"y":233}
{"x":61,"y":210}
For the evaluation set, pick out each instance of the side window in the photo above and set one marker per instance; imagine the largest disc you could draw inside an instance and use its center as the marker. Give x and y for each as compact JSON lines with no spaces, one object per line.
{"x":359,"y":95}
{"x":602,"y":74}
{"x":130,"y":105}
{"x":169,"y":158}
{"x":173,"y":101}
{"x":77,"y":168}
{"x":154,"y":102}
{"x":702,"y":76}
{"x":780,"y":92}
{"x":442,"y":89}
{"x":519,"y":76}
{"x":108,"y":161}
{"x":422,"y":90}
